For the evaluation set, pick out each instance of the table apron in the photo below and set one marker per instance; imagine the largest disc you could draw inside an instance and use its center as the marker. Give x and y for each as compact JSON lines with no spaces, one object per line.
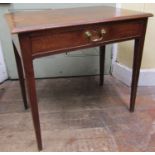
{"x":48,"y":42}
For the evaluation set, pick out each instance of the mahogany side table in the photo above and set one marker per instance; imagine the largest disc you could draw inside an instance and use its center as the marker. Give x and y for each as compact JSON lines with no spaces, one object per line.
{"x":48,"y":32}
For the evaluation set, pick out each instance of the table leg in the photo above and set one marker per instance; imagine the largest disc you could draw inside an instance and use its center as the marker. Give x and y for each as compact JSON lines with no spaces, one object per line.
{"x":21,"y":76}
{"x":102,"y":61}
{"x":138,"y":51}
{"x":31,"y":88}
{"x":34,"y":106}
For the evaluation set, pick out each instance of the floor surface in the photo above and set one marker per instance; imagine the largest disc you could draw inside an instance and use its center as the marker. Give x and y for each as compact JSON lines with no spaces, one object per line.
{"x":77,"y":114}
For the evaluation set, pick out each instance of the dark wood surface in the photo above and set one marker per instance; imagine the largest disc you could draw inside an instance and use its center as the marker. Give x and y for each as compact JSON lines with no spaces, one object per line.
{"x":56,"y":18}
{"x":43,"y":33}
{"x":64,"y":39}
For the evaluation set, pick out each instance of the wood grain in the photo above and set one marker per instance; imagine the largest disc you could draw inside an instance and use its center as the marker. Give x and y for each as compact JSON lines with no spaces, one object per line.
{"x":68,"y":38}
{"x":24,"y":21}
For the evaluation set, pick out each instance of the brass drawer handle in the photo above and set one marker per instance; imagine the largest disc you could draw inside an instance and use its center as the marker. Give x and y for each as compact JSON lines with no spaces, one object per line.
{"x":95,"y":38}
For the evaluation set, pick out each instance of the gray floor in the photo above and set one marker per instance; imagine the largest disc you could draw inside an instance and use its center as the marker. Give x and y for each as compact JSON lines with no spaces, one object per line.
{"x":77,"y":114}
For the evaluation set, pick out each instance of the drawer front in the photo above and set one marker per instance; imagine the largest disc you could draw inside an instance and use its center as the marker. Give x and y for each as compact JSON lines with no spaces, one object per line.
{"x":92,"y":35}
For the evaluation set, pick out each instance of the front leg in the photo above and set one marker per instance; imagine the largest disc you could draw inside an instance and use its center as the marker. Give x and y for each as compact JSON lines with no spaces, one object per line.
{"x":138,"y":51}
{"x":30,"y":81}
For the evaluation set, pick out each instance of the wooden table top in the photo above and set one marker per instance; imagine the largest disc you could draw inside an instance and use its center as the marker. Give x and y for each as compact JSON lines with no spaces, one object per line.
{"x":25,"y":21}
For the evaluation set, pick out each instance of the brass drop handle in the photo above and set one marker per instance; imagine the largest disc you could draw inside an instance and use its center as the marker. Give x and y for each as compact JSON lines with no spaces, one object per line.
{"x":96,"y":37}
